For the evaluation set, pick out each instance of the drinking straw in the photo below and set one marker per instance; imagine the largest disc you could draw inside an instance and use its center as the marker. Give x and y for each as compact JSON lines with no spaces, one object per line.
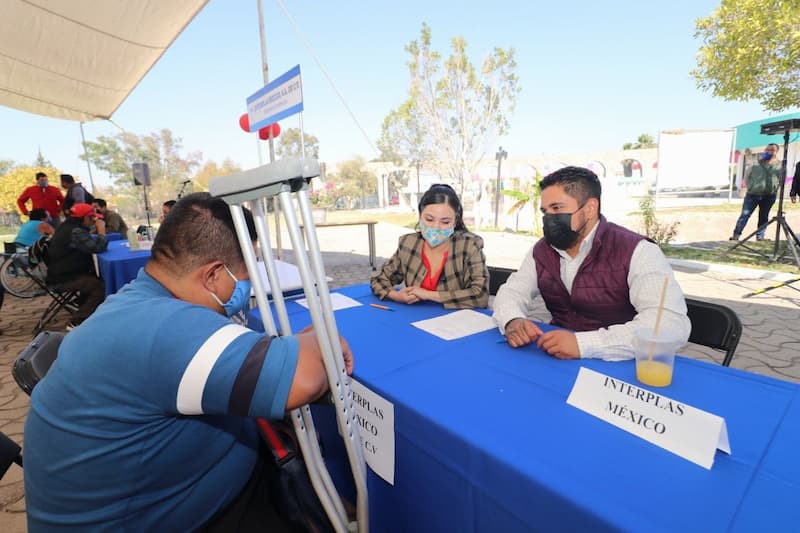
{"x":658,"y":317}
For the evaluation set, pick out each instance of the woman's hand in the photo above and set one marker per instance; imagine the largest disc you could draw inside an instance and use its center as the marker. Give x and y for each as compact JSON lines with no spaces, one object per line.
{"x":424,"y":294}
{"x":405,"y":295}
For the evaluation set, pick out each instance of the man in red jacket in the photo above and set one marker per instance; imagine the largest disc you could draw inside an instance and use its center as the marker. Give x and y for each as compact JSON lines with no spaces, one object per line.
{"x":42,"y":196}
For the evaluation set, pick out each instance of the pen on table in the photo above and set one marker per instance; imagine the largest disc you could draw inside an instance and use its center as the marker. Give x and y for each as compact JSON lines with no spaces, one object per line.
{"x":378,"y":306}
{"x":501,"y":340}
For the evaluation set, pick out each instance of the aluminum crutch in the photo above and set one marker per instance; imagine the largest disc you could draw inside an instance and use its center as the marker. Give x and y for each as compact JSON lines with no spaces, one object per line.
{"x":285,"y":179}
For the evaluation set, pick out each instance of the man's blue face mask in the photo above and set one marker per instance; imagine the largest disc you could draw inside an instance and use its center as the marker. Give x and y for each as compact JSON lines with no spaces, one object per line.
{"x":239,"y":298}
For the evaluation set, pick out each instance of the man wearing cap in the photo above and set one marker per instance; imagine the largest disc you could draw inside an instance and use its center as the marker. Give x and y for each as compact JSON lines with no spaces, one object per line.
{"x":42,"y":196}
{"x":69,"y":259}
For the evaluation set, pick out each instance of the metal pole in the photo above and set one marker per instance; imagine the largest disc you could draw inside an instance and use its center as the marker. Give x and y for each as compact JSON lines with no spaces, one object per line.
{"x":86,"y":155}
{"x":265,"y":72}
{"x":500,"y":155}
{"x":731,"y":169}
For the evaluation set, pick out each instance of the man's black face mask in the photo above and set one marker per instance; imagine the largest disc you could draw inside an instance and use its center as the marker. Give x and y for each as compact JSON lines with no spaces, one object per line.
{"x":558,"y":229}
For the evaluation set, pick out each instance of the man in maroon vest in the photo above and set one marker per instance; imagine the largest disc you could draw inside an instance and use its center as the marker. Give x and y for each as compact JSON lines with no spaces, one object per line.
{"x":599,"y":281}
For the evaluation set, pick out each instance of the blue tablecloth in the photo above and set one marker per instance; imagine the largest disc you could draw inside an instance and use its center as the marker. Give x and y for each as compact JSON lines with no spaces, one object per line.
{"x":114,"y":236}
{"x":485,"y":440}
{"x":118,"y":265}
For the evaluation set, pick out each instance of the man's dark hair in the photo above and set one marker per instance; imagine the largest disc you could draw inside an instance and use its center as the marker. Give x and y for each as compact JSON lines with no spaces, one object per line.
{"x":37,"y":214}
{"x":199,"y":230}
{"x":40,"y":175}
{"x":100,"y":202}
{"x":67,"y":178}
{"x":578,"y":182}
{"x":441,"y":193}
{"x":170,"y":203}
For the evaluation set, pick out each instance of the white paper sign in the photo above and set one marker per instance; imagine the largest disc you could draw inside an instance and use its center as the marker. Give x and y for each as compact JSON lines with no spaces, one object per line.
{"x":456,"y":325}
{"x":338,"y":301}
{"x":375,"y":419}
{"x":684,"y":430}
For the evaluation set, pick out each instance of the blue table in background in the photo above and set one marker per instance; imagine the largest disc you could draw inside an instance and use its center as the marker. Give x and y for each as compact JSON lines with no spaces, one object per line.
{"x":485,"y":440}
{"x":118,"y":265}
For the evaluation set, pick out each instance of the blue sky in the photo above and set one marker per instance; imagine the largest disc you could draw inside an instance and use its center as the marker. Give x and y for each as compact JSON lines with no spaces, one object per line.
{"x":593,"y":76}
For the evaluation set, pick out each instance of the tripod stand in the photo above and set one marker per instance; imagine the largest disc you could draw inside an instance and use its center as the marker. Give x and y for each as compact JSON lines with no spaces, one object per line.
{"x":779,"y":219}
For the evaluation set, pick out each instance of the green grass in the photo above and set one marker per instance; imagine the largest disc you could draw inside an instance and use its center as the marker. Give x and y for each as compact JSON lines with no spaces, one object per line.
{"x":741,"y":257}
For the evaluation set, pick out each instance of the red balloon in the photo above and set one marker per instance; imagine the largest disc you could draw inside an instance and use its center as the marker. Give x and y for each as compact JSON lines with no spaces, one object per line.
{"x":244,"y":122}
{"x":263,"y":133}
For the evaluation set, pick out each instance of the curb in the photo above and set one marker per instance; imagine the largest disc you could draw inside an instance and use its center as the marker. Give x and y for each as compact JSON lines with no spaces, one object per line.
{"x":686,"y":265}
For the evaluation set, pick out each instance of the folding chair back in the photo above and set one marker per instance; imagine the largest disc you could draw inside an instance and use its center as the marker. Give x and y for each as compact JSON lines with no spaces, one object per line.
{"x":714,"y":325}
{"x":498,"y":276}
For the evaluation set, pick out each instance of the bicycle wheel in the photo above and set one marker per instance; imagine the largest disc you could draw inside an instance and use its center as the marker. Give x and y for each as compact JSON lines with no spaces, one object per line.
{"x":18,"y":281}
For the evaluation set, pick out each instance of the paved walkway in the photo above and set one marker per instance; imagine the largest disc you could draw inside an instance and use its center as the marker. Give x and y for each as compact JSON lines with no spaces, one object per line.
{"x":770,"y":344}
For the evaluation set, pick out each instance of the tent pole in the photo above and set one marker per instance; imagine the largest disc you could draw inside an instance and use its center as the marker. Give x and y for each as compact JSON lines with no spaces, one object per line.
{"x":86,"y":155}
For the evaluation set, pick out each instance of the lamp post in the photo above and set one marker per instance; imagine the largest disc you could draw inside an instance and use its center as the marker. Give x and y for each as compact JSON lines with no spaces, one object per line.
{"x":500,"y":155}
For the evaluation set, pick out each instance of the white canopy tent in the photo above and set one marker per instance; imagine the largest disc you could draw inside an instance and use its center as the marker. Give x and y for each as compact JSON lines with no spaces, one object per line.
{"x":80,"y":59}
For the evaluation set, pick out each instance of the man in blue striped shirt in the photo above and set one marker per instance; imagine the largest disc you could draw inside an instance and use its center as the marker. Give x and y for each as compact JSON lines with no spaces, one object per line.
{"x":145,"y":420}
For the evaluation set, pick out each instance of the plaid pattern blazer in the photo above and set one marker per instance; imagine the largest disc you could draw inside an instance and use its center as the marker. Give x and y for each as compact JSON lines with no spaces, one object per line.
{"x":464,"y":281}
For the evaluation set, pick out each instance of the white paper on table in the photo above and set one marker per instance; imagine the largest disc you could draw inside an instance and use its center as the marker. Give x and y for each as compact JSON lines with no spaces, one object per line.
{"x":456,"y":325}
{"x":288,"y":277}
{"x":338,"y":301}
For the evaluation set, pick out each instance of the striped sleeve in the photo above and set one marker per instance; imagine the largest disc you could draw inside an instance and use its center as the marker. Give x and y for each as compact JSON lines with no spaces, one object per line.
{"x":234,"y":371}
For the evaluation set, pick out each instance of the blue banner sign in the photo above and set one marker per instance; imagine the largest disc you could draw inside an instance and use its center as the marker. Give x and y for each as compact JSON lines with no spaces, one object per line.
{"x":280,"y":98}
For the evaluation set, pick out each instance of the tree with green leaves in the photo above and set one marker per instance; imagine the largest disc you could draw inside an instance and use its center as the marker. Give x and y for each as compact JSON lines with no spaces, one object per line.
{"x":454,"y":110}
{"x":526,"y":194}
{"x":354,"y":180}
{"x":40,"y":160}
{"x":5,"y":166}
{"x":162,"y":153}
{"x":643,"y":141}
{"x":289,"y":144}
{"x":212,"y":170}
{"x":751,"y":51}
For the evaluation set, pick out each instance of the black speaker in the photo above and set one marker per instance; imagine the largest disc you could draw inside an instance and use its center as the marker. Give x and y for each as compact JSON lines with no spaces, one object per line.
{"x":141,"y":174}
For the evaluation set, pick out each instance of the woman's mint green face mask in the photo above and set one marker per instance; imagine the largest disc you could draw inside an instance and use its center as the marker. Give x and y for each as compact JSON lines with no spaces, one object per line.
{"x":435,"y":236}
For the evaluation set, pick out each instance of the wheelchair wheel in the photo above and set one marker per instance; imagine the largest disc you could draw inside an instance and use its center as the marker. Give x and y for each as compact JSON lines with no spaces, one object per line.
{"x":17,"y":280}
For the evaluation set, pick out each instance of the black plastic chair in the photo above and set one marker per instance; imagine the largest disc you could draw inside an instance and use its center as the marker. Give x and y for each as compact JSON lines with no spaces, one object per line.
{"x":715,"y":326}
{"x":59,"y":298}
{"x":10,"y":452}
{"x":498,"y":276}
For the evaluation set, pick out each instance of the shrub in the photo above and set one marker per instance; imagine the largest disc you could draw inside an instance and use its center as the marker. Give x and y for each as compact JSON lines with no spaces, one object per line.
{"x":653,"y":229}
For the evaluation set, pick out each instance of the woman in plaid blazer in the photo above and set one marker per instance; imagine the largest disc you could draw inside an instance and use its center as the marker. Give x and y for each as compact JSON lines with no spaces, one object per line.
{"x":442,"y":262}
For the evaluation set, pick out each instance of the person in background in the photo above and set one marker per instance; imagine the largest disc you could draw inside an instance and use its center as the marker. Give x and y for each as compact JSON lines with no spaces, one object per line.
{"x":69,"y":259}
{"x":42,"y":196}
{"x":146,"y":421}
{"x":762,"y":180}
{"x":795,"y":190}
{"x":76,"y":193}
{"x":34,"y":228}
{"x":112,"y":219}
{"x":165,"y":207}
{"x":442,"y":262}
{"x":599,"y":281}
